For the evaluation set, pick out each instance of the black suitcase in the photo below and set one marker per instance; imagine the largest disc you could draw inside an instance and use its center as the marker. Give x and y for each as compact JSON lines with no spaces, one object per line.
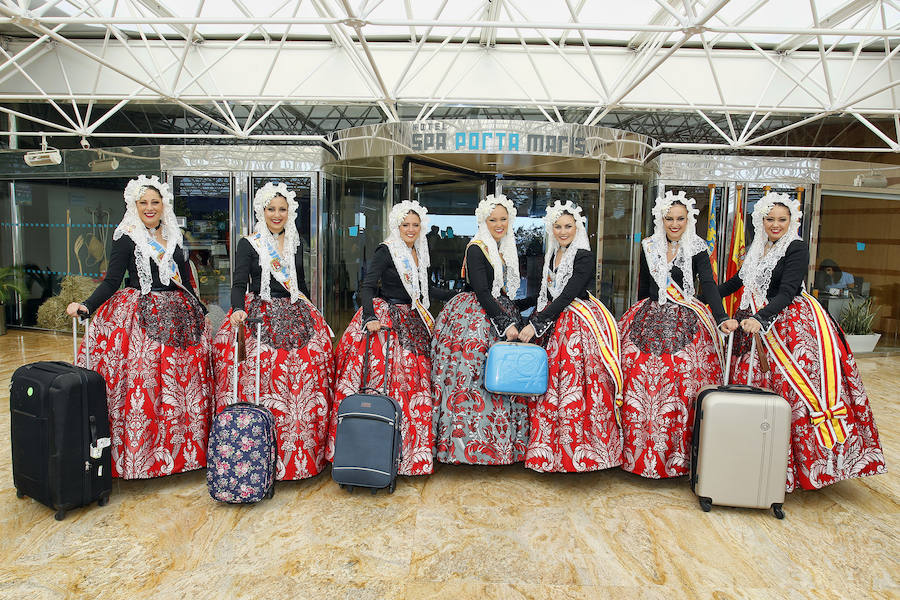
{"x":367,"y":441}
{"x":60,"y":435}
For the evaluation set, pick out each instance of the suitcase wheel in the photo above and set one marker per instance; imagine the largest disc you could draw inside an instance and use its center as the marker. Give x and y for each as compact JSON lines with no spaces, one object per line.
{"x":392,"y":487}
{"x":271,"y":493}
{"x":349,"y":488}
{"x":374,"y":491}
{"x":103,"y":501}
{"x":705,"y":503}
{"x":19,"y":494}
{"x":779,"y":512}
{"x":60,"y":515}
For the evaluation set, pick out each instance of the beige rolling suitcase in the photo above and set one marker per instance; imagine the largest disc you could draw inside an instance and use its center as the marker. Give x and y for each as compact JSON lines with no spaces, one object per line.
{"x":740,"y":445}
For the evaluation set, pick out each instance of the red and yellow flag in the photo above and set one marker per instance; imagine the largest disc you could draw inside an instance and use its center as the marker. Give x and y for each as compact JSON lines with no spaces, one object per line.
{"x":736,"y":251}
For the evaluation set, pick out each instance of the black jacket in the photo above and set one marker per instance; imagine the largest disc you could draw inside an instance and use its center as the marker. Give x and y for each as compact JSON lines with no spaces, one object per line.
{"x":584,"y":271}
{"x":787,"y":279}
{"x":383,"y":281}
{"x":122,"y":261}
{"x":247,"y":275}
{"x":708,"y":292}
{"x":480,"y":279}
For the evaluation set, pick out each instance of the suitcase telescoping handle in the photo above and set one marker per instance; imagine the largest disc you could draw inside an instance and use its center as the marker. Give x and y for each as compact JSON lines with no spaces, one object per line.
{"x":234,"y":375}
{"x":85,"y":319}
{"x":728,"y":359}
{"x":364,"y":380}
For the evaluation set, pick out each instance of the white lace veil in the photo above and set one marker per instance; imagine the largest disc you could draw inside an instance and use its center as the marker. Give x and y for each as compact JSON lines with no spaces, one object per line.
{"x":415,"y":281}
{"x":132,"y":226}
{"x":503,"y":253}
{"x":580,"y":242}
{"x":655,"y":246}
{"x":756,"y":272}
{"x":261,"y":200}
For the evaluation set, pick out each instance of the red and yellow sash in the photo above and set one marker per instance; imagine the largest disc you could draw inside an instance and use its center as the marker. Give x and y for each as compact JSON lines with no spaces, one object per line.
{"x":424,"y":314}
{"x":607,"y":337}
{"x":677,"y":295}
{"x":827,"y":412}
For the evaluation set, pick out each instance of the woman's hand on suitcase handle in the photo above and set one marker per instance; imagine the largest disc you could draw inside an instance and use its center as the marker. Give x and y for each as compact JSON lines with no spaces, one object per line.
{"x":728,"y":326}
{"x":373,"y":326}
{"x":751,"y":325}
{"x":512,"y":334}
{"x":238,"y":317}
{"x":74,"y":309}
{"x":527,"y":333}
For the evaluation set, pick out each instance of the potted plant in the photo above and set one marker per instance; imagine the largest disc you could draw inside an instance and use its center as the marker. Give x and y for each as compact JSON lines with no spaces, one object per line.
{"x":10,"y":281}
{"x":856,"y":321}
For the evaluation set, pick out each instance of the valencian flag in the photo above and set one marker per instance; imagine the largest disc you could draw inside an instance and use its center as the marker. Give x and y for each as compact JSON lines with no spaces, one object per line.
{"x":711,"y":232}
{"x":736,"y":251}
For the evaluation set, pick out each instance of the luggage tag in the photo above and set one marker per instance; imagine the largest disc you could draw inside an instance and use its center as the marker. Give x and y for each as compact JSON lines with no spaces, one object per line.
{"x":98,"y":446}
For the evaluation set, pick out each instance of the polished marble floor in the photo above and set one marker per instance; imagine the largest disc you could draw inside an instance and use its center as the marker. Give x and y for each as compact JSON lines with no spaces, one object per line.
{"x":464,"y":532}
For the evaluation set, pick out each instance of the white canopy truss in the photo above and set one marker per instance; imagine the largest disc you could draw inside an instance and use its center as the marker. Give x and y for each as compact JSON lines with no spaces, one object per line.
{"x":733,"y":75}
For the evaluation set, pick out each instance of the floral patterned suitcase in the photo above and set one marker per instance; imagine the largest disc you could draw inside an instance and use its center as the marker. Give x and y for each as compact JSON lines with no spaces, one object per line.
{"x":243,"y":450}
{"x":516,"y":368}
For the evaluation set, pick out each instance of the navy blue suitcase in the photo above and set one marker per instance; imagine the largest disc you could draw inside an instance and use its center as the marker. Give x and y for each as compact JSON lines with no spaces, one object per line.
{"x":243,"y":448}
{"x":59,"y":430}
{"x":367,"y":441}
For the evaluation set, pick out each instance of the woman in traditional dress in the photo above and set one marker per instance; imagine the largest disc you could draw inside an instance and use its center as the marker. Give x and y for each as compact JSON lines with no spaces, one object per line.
{"x":574,"y":426}
{"x":670,"y":343}
{"x":151,"y":342}
{"x":296,"y":368}
{"x":395,"y":294}
{"x":833,"y":433}
{"x":475,"y":426}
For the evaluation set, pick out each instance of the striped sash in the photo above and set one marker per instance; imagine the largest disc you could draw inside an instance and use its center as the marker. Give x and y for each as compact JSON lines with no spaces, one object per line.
{"x":677,"y":295}
{"x":607,"y":337}
{"x":827,"y":412}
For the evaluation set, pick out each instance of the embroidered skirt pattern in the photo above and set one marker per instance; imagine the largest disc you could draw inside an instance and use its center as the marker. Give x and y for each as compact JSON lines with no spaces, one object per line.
{"x":155,"y":354}
{"x":810,"y":464}
{"x":474,"y":426}
{"x":409,"y":383}
{"x":296,"y":375}
{"x":573,"y":426}
{"x":667,"y":357}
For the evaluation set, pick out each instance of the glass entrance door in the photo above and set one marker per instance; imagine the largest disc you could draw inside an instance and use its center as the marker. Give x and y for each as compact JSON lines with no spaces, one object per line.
{"x":618,"y":255}
{"x":204,"y":201}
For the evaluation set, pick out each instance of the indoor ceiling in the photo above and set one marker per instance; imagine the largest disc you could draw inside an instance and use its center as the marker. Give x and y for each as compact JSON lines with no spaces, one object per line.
{"x":738,"y":75}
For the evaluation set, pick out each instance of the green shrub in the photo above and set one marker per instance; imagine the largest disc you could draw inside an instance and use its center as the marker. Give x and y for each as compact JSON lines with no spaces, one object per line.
{"x":857,"y":316}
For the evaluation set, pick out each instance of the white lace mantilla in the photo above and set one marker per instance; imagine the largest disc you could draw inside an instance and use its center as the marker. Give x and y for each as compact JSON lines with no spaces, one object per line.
{"x":656,"y":246}
{"x":261,"y":200}
{"x":414,"y":279}
{"x":553,"y":283}
{"x":756,"y":272}
{"x":132,"y":226}
{"x":503,"y":256}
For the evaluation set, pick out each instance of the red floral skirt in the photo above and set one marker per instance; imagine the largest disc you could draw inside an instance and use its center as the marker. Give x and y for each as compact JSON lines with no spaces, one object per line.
{"x":409,"y":378}
{"x":154,"y":352}
{"x":573,"y":426}
{"x":667,"y":357}
{"x":296,"y":374}
{"x":810,"y":464}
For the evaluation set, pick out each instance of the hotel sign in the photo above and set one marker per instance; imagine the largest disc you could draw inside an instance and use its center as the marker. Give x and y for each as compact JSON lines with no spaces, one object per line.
{"x":491,"y":137}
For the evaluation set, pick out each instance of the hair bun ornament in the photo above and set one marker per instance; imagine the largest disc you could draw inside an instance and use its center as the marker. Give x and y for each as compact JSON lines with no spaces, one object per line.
{"x":486,"y":206}
{"x":663,"y":204}
{"x":401,"y":209}
{"x":135,"y":188}
{"x":558,"y":209}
